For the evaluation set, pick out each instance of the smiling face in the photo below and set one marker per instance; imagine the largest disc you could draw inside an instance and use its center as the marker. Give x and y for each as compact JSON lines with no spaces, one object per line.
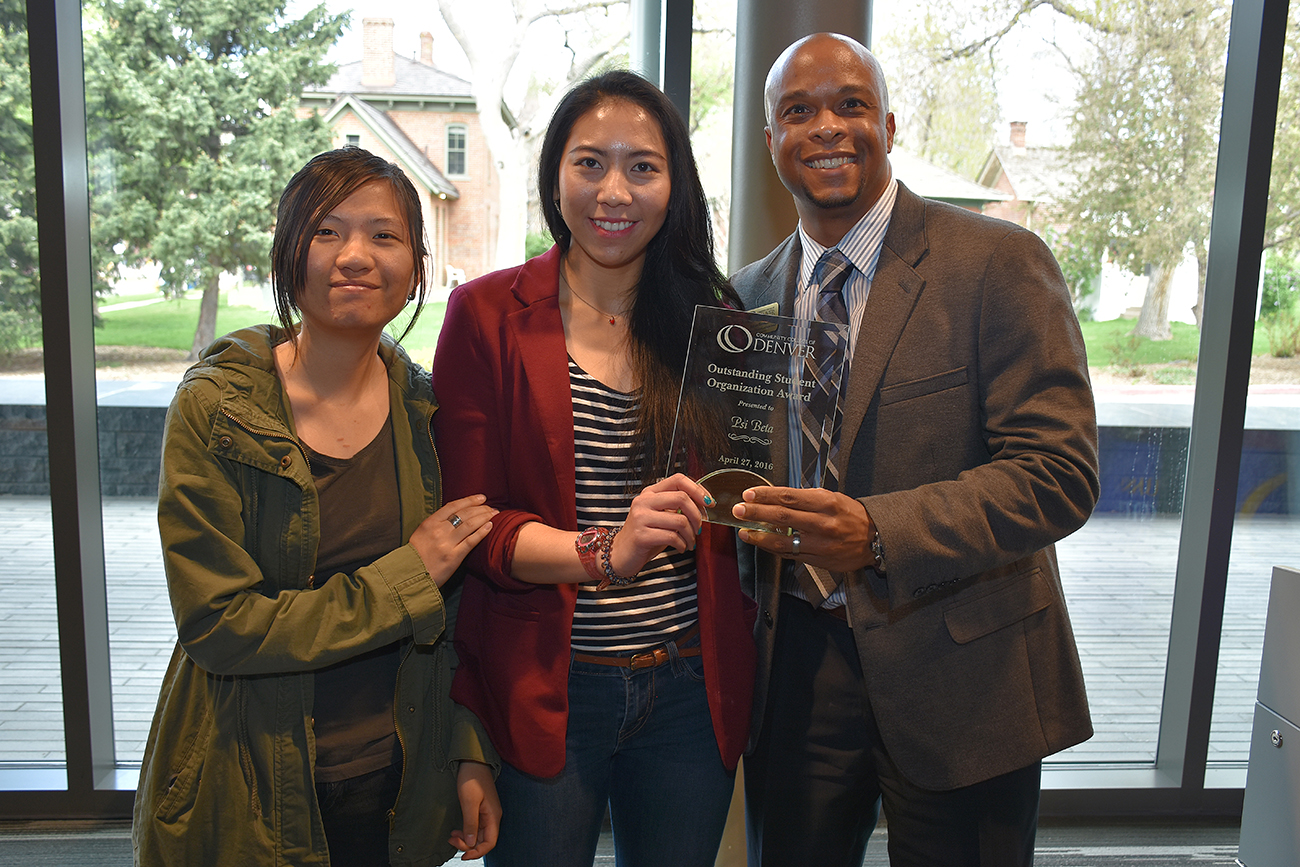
{"x":613,"y":187}
{"x":360,"y":267}
{"x":829,"y":132}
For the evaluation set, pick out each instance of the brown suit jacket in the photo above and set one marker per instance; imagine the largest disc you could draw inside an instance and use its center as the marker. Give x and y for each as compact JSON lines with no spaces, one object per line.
{"x":973,"y":445}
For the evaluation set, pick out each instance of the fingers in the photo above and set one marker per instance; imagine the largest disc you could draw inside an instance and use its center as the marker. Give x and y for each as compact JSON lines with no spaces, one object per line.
{"x":667,"y":514}
{"x":828,"y":529}
{"x":480,"y":810}
{"x":686,"y":485}
{"x":797,"y":508}
{"x":468,"y":511}
{"x":444,"y":538}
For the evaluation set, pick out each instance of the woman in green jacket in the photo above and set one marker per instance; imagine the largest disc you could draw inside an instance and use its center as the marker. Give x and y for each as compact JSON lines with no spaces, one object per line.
{"x":304,"y":718}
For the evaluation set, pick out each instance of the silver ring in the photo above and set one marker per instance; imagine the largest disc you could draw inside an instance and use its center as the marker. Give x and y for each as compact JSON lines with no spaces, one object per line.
{"x":455,"y":520}
{"x":794,"y":545}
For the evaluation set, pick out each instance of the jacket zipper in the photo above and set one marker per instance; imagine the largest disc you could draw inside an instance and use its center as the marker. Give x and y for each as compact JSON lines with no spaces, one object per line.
{"x":254,"y":429}
{"x":245,"y":754}
{"x":397,"y":728}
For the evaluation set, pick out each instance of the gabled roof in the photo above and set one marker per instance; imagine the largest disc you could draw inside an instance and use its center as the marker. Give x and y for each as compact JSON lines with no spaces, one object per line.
{"x":409,"y":156}
{"x":933,"y":182}
{"x":415,"y":81}
{"x":1037,"y":174}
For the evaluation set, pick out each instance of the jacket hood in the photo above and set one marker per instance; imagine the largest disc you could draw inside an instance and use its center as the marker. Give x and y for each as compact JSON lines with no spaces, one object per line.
{"x":244,"y":363}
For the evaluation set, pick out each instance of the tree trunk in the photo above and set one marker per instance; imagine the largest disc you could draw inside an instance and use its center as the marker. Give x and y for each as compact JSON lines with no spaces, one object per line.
{"x":1153,"y":321}
{"x":1202,"y":268}
{"x":512,"y":203}
{"x":206,"y":331}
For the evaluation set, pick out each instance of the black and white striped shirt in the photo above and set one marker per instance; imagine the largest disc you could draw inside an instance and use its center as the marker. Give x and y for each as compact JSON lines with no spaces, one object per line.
{"x":662,"y":601}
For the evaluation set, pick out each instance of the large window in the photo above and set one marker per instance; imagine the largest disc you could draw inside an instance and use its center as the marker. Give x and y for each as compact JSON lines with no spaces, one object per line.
{"x":1138,"y":576}
{"x":31,"y":698}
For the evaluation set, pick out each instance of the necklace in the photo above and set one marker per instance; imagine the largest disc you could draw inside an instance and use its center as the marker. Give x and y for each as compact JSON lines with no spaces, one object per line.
{"x":612,"y":319}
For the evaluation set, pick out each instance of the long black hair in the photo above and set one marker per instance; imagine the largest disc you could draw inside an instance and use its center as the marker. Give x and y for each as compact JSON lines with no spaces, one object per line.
{"x":679,"y":271}
{"x":318,"y":188}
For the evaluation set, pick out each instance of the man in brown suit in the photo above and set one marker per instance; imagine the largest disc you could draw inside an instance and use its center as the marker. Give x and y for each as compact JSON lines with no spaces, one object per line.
{"x":925,"y":663}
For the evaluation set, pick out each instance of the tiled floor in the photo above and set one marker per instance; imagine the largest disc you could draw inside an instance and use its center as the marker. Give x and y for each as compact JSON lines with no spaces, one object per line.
{"x":1118,"y":576}
{"x":1206,"y":844}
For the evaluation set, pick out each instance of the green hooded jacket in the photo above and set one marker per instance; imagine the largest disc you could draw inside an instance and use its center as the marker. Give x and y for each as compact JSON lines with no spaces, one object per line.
{"x":227,"y":776}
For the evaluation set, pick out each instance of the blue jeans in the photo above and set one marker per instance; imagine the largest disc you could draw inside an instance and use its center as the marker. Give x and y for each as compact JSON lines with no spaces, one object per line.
{"x":641,"y":742}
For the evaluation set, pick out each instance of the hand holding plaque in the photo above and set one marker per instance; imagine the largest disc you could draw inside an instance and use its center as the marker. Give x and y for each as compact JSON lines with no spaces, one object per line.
{"x":747,"y":375}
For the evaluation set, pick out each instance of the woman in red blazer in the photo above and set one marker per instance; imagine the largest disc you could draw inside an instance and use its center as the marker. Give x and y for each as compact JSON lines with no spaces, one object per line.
{"x":603,"y":636}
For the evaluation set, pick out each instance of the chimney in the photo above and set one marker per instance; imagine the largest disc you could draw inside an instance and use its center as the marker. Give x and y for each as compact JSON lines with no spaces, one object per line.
{"x":426,"y":48}
{"x":1018,"y":134}
{"x":377,"y":53}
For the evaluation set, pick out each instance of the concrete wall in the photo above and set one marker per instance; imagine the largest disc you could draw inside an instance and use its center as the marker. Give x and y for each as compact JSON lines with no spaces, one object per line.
{"x":130,"y":445}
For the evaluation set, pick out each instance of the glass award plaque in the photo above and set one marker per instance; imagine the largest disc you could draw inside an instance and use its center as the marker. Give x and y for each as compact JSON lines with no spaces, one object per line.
{"x":755,"y":372}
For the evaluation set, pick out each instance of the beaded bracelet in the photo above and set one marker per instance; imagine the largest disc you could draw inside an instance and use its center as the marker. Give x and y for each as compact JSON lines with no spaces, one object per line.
{"x":597,"y":541}
{"x":611,"y":577}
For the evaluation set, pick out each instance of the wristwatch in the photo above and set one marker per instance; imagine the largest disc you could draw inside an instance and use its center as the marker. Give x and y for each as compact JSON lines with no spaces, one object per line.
{"x":878,"y":551}
{"x":588,"y":544}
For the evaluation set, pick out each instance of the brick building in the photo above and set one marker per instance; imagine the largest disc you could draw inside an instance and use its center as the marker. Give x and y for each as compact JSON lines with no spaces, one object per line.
{"x":425,"y":120}
{"x":1033,"y":178}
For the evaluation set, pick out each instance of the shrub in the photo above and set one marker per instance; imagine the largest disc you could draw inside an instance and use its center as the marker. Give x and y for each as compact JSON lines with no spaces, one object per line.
{"x":1283,"y":331}
{"x":537,"y":243}
{"x":1281,"y":289}
{"x":1279,"y":308}
{"x":16,"y":332}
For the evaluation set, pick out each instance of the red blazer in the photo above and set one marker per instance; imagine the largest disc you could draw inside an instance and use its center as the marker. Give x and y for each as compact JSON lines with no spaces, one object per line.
{"x":505,"y":429}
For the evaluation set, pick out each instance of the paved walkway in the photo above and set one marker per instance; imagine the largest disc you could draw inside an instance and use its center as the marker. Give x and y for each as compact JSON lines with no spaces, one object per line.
{"x":1118,"y":580}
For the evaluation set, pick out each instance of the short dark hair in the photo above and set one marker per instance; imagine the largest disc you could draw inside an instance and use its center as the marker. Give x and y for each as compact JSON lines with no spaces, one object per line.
{"x":679,"y":273}
{"x":318,"y":188}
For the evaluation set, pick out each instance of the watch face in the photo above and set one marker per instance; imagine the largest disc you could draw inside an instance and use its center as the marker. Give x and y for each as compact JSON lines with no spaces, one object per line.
{"x":588,"y":537}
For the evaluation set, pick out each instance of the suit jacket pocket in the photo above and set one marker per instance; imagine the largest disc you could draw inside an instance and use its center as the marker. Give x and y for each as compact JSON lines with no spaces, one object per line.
{"x":513,"y":605}
{"x":1021,"y":596}
{"x":921,"y":387}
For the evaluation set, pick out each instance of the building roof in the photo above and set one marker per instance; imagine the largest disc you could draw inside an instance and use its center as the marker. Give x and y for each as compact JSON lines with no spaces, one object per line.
{"x":411,"y":158}
{"x":415,"y":81}
{"x":933,"y":182}
{"x":1036,"y":174}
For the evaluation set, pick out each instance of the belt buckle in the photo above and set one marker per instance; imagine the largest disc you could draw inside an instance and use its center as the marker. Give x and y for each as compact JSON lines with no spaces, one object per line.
{"x":648,"y":659}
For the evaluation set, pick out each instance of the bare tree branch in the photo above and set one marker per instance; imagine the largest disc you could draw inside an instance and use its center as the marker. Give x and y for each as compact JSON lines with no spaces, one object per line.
{"x":989,"y":42}
{"x":573,"y":10}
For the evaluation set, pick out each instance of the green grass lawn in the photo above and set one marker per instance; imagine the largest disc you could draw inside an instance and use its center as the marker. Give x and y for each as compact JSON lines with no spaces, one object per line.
{"x":1111,"y":344}
{"x":170,"y":324}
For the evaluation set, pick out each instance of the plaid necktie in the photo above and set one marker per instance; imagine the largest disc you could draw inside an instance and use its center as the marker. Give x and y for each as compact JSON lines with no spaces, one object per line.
{"x":820,"y":422}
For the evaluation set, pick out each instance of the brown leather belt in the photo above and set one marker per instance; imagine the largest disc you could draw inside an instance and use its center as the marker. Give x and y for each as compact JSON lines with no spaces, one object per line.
{"x":651,"y":658}
{"x":837,"y":612}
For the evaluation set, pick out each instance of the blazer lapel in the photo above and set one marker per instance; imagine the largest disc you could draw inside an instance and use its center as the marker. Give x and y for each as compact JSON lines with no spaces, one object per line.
{"x":537,"y":335}
{"x":895,"y":288}
{"x":781,"y":277}
{"x":782,"y":274}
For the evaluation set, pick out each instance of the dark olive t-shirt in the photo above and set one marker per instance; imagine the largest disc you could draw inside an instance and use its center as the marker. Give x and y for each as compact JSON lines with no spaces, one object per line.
{"x":360,"y":521}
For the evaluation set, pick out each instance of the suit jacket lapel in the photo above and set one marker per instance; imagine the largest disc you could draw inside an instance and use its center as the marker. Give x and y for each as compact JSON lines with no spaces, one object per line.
{"x":782,"y":272}
{"x":781,"y":277}
{"x":538,"y":337}
{"x":895,"y":288}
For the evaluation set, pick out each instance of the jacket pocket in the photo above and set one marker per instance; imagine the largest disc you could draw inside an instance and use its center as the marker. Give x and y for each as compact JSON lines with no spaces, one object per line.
{"x":512,"y":605}
{"x":185,"y":775}
{"x":921,"y":387}
{"x":1021,"y":596}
